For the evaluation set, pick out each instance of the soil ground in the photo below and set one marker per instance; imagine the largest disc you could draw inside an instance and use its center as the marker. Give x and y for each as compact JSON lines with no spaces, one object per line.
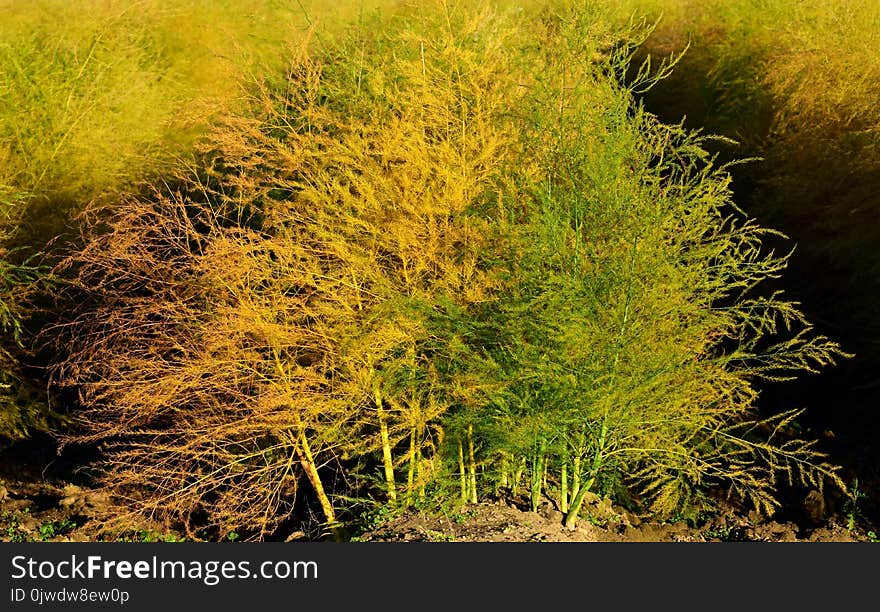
{"x":45,"y":497}
{"x":42,"y":510}
{"x":505,"y":521}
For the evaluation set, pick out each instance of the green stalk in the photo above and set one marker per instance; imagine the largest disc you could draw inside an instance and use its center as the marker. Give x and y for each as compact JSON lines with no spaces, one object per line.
{"x":544,"y":472}
{"x":537,"y":475}
{"x":577,"y":501}
{"x":598,"y":458}
{"x":472,"y":465}
{"x":576,"y":465}
{"x":464,"y":492}
{"x":517,"y":477}
{"x":563,"y":488}
{"x":575,"y":476}
{"x":419,"y":474}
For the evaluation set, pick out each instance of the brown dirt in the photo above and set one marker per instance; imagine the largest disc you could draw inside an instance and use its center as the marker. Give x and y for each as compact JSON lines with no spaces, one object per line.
{"x":35,"y":505}
{"x":503,"y":521}
{"x":47,"y":511}
{"x":50,"y":512}
{"x":43,"y":497}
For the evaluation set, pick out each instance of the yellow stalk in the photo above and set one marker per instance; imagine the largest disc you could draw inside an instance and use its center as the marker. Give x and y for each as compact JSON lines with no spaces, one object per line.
{"x":412,"y":467}
{"x":307,"y":460}
{"x":472,"y":465}
{"x":387,"y":460}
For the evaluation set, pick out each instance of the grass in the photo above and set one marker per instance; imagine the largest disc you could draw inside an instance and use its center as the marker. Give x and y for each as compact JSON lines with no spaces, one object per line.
{"x":53,"y":529}
{"x":147,"y":535}
{"x":11,"y":525}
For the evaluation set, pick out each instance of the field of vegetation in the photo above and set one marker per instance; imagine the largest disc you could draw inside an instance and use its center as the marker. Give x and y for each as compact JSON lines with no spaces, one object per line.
{"x":287,"y":267}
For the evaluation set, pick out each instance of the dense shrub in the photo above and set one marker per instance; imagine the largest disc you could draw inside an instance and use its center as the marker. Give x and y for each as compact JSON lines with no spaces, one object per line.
{"x":453,"y":248}
{"x":95,"y":97}
{"x":796,"y":83}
